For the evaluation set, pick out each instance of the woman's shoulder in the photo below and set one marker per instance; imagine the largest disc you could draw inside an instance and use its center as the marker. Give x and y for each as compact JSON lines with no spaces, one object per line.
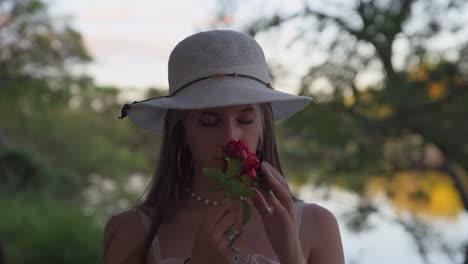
{"x":128,"y":218}
{"x":123,"y":235}
{"x":323,"y":230}
{"x":318,"y":218}
{"x":317,"y":213}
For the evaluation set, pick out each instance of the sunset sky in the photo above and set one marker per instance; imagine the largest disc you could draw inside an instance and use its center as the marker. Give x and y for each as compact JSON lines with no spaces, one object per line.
{"x":131,"y":40}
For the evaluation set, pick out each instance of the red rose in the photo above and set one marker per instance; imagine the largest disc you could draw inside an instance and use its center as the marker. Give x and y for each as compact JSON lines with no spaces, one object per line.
{"x":249,"y":165}
{"x":237,"y":149}
{"x":252,"y":174}
{"x":250,"y":162}
{"x":236,"y":154}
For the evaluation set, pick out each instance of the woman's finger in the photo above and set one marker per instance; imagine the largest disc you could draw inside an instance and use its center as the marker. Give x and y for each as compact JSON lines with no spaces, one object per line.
{"x":280,"y":192}
{"x":261,"y":204}
{"x":279,"y":207}
{"x":231,"y":220}
{"x":276,"y":174}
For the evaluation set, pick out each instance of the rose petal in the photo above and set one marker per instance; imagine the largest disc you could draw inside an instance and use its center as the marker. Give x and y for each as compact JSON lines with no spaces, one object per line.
{"x":252,"y":174}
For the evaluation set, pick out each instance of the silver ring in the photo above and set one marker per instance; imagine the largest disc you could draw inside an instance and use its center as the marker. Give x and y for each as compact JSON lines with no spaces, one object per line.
{"x":230,"y":234}
{"x":268,"y":211}
{"x":235,"y":249}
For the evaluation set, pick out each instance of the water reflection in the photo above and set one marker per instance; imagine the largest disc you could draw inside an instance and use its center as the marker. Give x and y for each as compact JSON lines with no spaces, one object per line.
{"x":404,"y":229}
{"x":426,"y":193}
{"x":387,"y":240}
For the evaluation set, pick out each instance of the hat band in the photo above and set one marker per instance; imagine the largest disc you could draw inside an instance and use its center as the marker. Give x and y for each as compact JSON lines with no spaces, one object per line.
{"x":222,"y":75}
{"x":126,"y":107}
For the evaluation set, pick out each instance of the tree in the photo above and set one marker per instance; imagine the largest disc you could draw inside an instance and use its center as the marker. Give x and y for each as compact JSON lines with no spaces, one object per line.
{"x":416,"y":108}
{"x":65,"y":117}
{"x":59,"y":132}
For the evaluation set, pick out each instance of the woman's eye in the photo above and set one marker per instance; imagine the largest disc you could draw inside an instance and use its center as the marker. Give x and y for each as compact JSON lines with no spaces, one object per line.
{"x":214,"y":122}
{"x":246,"y":121}
{"x":208,"y":122}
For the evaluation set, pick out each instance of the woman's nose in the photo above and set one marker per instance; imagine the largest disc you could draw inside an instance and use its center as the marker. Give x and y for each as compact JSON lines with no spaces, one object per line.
{"x":231,"y":131}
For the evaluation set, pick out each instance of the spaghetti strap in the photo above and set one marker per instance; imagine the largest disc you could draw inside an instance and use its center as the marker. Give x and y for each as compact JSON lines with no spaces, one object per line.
{"x":298,"y":206}
{"x":155,"y":244}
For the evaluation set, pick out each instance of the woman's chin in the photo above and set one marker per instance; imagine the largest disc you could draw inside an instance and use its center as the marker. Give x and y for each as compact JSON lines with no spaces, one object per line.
{"x":217,"y":163}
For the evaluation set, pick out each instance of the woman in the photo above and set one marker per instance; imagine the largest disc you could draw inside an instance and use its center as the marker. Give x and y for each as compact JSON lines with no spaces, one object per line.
{"x":219,"y":91}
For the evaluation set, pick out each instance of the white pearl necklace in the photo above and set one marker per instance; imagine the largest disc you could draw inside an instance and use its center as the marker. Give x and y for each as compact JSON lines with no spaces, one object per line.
{"x":201,"y":199}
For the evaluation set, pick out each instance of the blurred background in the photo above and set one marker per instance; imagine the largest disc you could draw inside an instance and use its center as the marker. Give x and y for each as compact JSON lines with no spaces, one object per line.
{"x":384,"y":145}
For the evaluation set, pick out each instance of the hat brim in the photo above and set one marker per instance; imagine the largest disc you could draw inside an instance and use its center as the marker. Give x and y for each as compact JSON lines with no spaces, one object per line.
{"x":217,"y":92}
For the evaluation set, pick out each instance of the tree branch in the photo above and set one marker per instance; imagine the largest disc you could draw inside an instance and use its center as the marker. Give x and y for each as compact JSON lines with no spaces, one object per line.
{"x":457,"y":183}
{"x":434,"y":104}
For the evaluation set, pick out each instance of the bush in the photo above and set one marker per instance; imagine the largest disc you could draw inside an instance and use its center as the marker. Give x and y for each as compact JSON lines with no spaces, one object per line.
{"x":25,"y":171}
{"x":47,"y":231}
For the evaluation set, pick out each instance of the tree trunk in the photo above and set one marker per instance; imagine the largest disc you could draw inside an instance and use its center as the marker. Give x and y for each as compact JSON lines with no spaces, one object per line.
{"x":5,"y":141}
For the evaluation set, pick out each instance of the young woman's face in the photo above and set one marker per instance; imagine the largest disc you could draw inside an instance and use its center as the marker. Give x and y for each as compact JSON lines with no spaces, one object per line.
{"x":208,"y":130}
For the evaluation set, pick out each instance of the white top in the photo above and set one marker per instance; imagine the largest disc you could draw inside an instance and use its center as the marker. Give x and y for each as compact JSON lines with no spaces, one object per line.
{"x":250,"y":259}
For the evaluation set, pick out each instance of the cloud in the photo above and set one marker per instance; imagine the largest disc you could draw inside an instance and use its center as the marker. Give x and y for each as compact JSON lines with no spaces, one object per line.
{"x":107,"y":47}
{"x":107,"y":14}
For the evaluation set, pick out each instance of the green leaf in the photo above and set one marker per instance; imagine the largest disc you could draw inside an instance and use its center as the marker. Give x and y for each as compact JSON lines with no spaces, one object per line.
{"x":219,"y":186}
{"x":214,"y":174}
{"x":233,"y":168}
{"x":246,"y":192}
{"x":246,"y":212}
{"x":246,"y":180}
{"x":234,"y":188}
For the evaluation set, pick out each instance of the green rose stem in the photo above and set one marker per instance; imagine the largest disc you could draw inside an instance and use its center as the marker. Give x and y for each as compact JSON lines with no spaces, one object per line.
{"x":234,"y":185}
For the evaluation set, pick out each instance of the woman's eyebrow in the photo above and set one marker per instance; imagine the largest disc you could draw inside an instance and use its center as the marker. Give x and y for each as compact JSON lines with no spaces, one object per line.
{"x":248,"y":109}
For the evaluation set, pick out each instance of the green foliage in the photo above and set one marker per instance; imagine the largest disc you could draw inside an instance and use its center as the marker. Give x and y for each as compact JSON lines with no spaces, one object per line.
{"x":230,"y":181}
{"x":233,"y":167}
{"x":325,"y":139}
{"x":246,"y":211}
{"x":32,"y":44}
{"x":84,"y":141}
{"x":47,"y":231}
{"x":344,"y":135}
{"x":23,"y":171}
{"x":246,"y":180}
{"x":233,"y":188}
{"x":57,"y":130}
{"x":67,"y":119}
{"x":233,"y":184}
{"x":354,"y":132}
{"x":214,"y":174}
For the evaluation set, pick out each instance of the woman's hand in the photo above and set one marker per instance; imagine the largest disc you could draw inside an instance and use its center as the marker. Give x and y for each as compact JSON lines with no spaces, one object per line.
{"x":210,"y":244}
{"x":280,"y":224}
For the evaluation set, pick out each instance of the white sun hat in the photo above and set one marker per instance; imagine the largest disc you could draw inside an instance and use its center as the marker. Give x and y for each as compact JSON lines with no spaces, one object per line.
{"x":214,"y":69}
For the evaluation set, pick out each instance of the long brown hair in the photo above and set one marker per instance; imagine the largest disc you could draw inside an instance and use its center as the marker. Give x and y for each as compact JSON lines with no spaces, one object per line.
{"x":174,"y":171}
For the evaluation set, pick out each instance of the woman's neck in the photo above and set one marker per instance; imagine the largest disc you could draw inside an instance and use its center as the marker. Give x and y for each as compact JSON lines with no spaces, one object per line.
{"x":201,"y":187}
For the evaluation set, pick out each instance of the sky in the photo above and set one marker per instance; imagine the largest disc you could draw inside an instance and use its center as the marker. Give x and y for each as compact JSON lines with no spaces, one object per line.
{"x":130,"y":42}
